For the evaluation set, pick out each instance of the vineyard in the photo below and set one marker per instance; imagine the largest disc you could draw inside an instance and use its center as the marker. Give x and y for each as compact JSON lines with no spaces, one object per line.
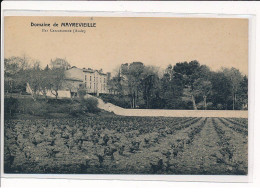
{"x":127,"y":145}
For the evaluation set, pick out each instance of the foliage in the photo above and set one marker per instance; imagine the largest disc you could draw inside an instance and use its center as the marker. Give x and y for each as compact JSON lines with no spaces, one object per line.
{"x":116,"y":83}
{"x":34,"y":79}
{"x":10,"y":106}
{"x":133,"y":73}
{"x":57,"y":77}
{"x":150,"y":85}
{"x":203,"y":88}
{"x":235,"y":79}
{"x":221,"y":96}
{"x":172,"y":89}
{"x":16,"y":107}
{"x":185,"y":85}
{"x":117,"y":99}
{"x":89,"y":105}
{"x":14,"y":73}
{"x":59,"y":63}
{"x":82,"y":91}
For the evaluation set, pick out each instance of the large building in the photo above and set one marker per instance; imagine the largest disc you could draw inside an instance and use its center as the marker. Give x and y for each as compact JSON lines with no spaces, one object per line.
{"x":93,"y":81}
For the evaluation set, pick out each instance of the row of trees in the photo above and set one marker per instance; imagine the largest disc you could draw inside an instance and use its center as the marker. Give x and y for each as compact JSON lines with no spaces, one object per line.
{"x":186,"y":85}
{"x":21,"y":70}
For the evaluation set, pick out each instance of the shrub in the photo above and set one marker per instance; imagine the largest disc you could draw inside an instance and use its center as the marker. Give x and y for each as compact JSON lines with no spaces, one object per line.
{"x":90,"y":105}
{"x":59,"y":105}
{"x":10,"y":106}
{"x":76,"y":110}
{"x":36,"y":108}
{"x":25,"y":106}
{"x":40,"y":107}
{"x":118,"y":100}
{"x":82,"y":93}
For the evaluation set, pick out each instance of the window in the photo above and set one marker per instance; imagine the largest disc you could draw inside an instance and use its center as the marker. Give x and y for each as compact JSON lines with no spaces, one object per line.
{"x":85,"y":77}
{"x":104,"y":80}
{"x":89,"y":78}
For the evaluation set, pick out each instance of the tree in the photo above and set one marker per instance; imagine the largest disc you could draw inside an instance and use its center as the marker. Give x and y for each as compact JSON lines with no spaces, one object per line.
{"x":82,"y":91}
{"x":14,"y":73}
{"x":243,"y":93}
{"x":133,"y":74}
{"x":189,"y":72}
{"x":57,"y":77}
{"x":203,"y":87}
{"x":221,"y":91}
{"x":235,"y":78}
{"x":172,"y":86}
{"x":45,"y":81}
{"x":112,"y":84}
{"x":116,"y":83}
{"x":150,"y":83}
{"x":14,"y":64}
{"x":59,"y":63}
{"x":34,"y":79}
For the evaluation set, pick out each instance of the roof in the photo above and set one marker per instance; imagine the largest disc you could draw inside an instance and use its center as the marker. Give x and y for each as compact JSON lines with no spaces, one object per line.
{"x":93,"y":71}
{"x":73,"y":79}
{"x":89,"y":70}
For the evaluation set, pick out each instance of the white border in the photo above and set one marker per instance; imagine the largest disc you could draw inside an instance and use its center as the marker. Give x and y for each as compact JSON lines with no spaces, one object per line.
{"x":147,"y":9}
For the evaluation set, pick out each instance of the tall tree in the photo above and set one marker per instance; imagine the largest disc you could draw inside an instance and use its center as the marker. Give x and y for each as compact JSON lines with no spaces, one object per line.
{"x":133,"y":74}
{"x":57,"y":74}
{"x":221,"y":91}
{"x":150,"y":83}
{"x":202,"y":84}
{"x":235,"y":78}
{"x":243,"y":93}
{"x":189,"y":72}
{"x":14,"y":70}
{"x":116,"y":83}
{"x":57,"y":77}
{"x":203,"y":87}
{"x":34,"y":80}
{"x":45,"y":81}
{"x":172,"y":85}
{"x":59,"y":63}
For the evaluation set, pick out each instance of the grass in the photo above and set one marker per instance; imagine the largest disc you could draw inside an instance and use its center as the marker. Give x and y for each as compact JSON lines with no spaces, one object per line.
{"x":25,"y":107}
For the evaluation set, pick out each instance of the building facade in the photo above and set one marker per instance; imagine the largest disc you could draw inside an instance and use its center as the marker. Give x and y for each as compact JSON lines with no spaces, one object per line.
{"x":93,"y":81}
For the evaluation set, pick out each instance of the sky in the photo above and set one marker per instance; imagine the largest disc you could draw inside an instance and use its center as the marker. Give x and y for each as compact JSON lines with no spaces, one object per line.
{"x":215,"y":42}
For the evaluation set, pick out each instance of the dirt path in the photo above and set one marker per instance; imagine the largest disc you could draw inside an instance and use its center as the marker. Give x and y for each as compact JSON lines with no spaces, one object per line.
{"x":198,"y":158}
{"x":168,"y":113}
{"x":239,"y":145}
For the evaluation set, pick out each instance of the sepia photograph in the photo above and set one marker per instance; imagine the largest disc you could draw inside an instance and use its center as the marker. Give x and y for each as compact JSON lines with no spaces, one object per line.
{"x":125,"y":95}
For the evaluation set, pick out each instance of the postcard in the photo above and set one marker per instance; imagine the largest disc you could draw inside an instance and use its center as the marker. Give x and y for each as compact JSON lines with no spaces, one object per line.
{"x":125,"y":96}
